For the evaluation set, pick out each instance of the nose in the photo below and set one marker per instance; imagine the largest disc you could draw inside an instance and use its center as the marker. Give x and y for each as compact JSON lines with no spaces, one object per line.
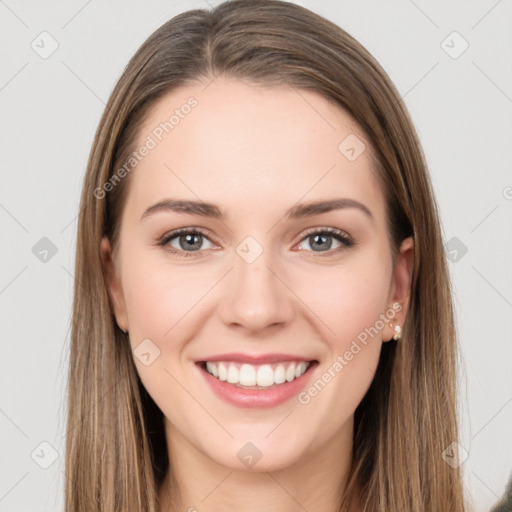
{"x":256,"y":297}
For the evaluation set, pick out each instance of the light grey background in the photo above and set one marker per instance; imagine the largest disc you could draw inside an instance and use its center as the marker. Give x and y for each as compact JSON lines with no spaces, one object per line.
{"x":462,"y":108}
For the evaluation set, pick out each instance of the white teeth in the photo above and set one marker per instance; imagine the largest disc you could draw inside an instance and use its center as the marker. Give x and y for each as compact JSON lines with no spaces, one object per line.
{"x":247,"y":375}
{"x":233,"y":374}
{"x":290,"y":373}
{"x":223,"y":371}
{"x":265,"y":375}
{"x":301,"y":368}
{"x":279,"y":374}
{"x":212,"y":368}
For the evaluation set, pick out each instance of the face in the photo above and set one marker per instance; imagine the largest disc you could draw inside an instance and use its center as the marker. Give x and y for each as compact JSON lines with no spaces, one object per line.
{"x":287,"y":306}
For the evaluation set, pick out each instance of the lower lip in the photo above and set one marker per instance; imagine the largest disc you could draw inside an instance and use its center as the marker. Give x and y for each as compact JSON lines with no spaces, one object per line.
{"x":257,"y":398}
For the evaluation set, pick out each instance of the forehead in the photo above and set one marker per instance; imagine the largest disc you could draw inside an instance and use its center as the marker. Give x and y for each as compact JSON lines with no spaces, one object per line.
{"x":251,"y":148}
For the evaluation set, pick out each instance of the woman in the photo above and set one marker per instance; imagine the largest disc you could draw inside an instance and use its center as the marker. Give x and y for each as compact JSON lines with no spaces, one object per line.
{"x":263,"y":317}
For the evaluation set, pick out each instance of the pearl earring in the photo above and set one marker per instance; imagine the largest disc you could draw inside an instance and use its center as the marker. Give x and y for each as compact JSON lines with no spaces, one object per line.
{"x":398,"y":333}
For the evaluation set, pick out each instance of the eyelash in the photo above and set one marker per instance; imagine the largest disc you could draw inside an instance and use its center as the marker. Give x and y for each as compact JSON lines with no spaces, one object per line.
{"x":339,"y":235}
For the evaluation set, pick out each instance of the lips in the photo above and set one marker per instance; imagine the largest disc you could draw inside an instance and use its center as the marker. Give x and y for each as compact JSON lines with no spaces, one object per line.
{"x":271,"y":394}
{"x":256,"y":380}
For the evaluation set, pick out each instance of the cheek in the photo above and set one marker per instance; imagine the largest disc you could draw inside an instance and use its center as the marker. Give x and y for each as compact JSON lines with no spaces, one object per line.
{"x":158,"y":296}
{"x":349,"y":303}
{"x":346,"y":299}
{"x":163,"y":303}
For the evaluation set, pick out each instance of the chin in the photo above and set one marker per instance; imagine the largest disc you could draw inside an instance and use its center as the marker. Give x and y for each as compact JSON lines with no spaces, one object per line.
{"x":258,"y":456}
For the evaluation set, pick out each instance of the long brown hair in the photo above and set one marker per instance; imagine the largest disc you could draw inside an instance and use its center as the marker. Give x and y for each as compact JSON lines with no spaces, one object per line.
{"x":116,"y":450}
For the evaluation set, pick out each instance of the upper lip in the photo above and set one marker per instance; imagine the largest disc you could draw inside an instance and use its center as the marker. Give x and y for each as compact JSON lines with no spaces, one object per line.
{"x":255,"y":359}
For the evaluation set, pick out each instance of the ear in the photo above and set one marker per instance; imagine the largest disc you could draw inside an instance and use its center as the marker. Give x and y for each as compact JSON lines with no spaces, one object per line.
{"x":401,"y":286}
{"x":114,"y":284}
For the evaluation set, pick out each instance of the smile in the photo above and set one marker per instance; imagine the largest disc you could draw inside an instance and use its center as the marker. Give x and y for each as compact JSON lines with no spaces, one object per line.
{"x":256,"y":382}
{"x":257,"y":376}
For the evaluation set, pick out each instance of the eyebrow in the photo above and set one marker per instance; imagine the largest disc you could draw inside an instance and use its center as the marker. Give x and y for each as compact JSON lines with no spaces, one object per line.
{"x":297,"y":211}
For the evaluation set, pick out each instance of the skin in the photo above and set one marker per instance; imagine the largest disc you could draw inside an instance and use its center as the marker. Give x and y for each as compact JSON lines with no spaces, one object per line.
{"x":255,"y":152}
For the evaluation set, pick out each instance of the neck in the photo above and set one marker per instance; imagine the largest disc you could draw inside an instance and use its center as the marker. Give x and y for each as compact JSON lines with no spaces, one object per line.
{"x":196,"y":483}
